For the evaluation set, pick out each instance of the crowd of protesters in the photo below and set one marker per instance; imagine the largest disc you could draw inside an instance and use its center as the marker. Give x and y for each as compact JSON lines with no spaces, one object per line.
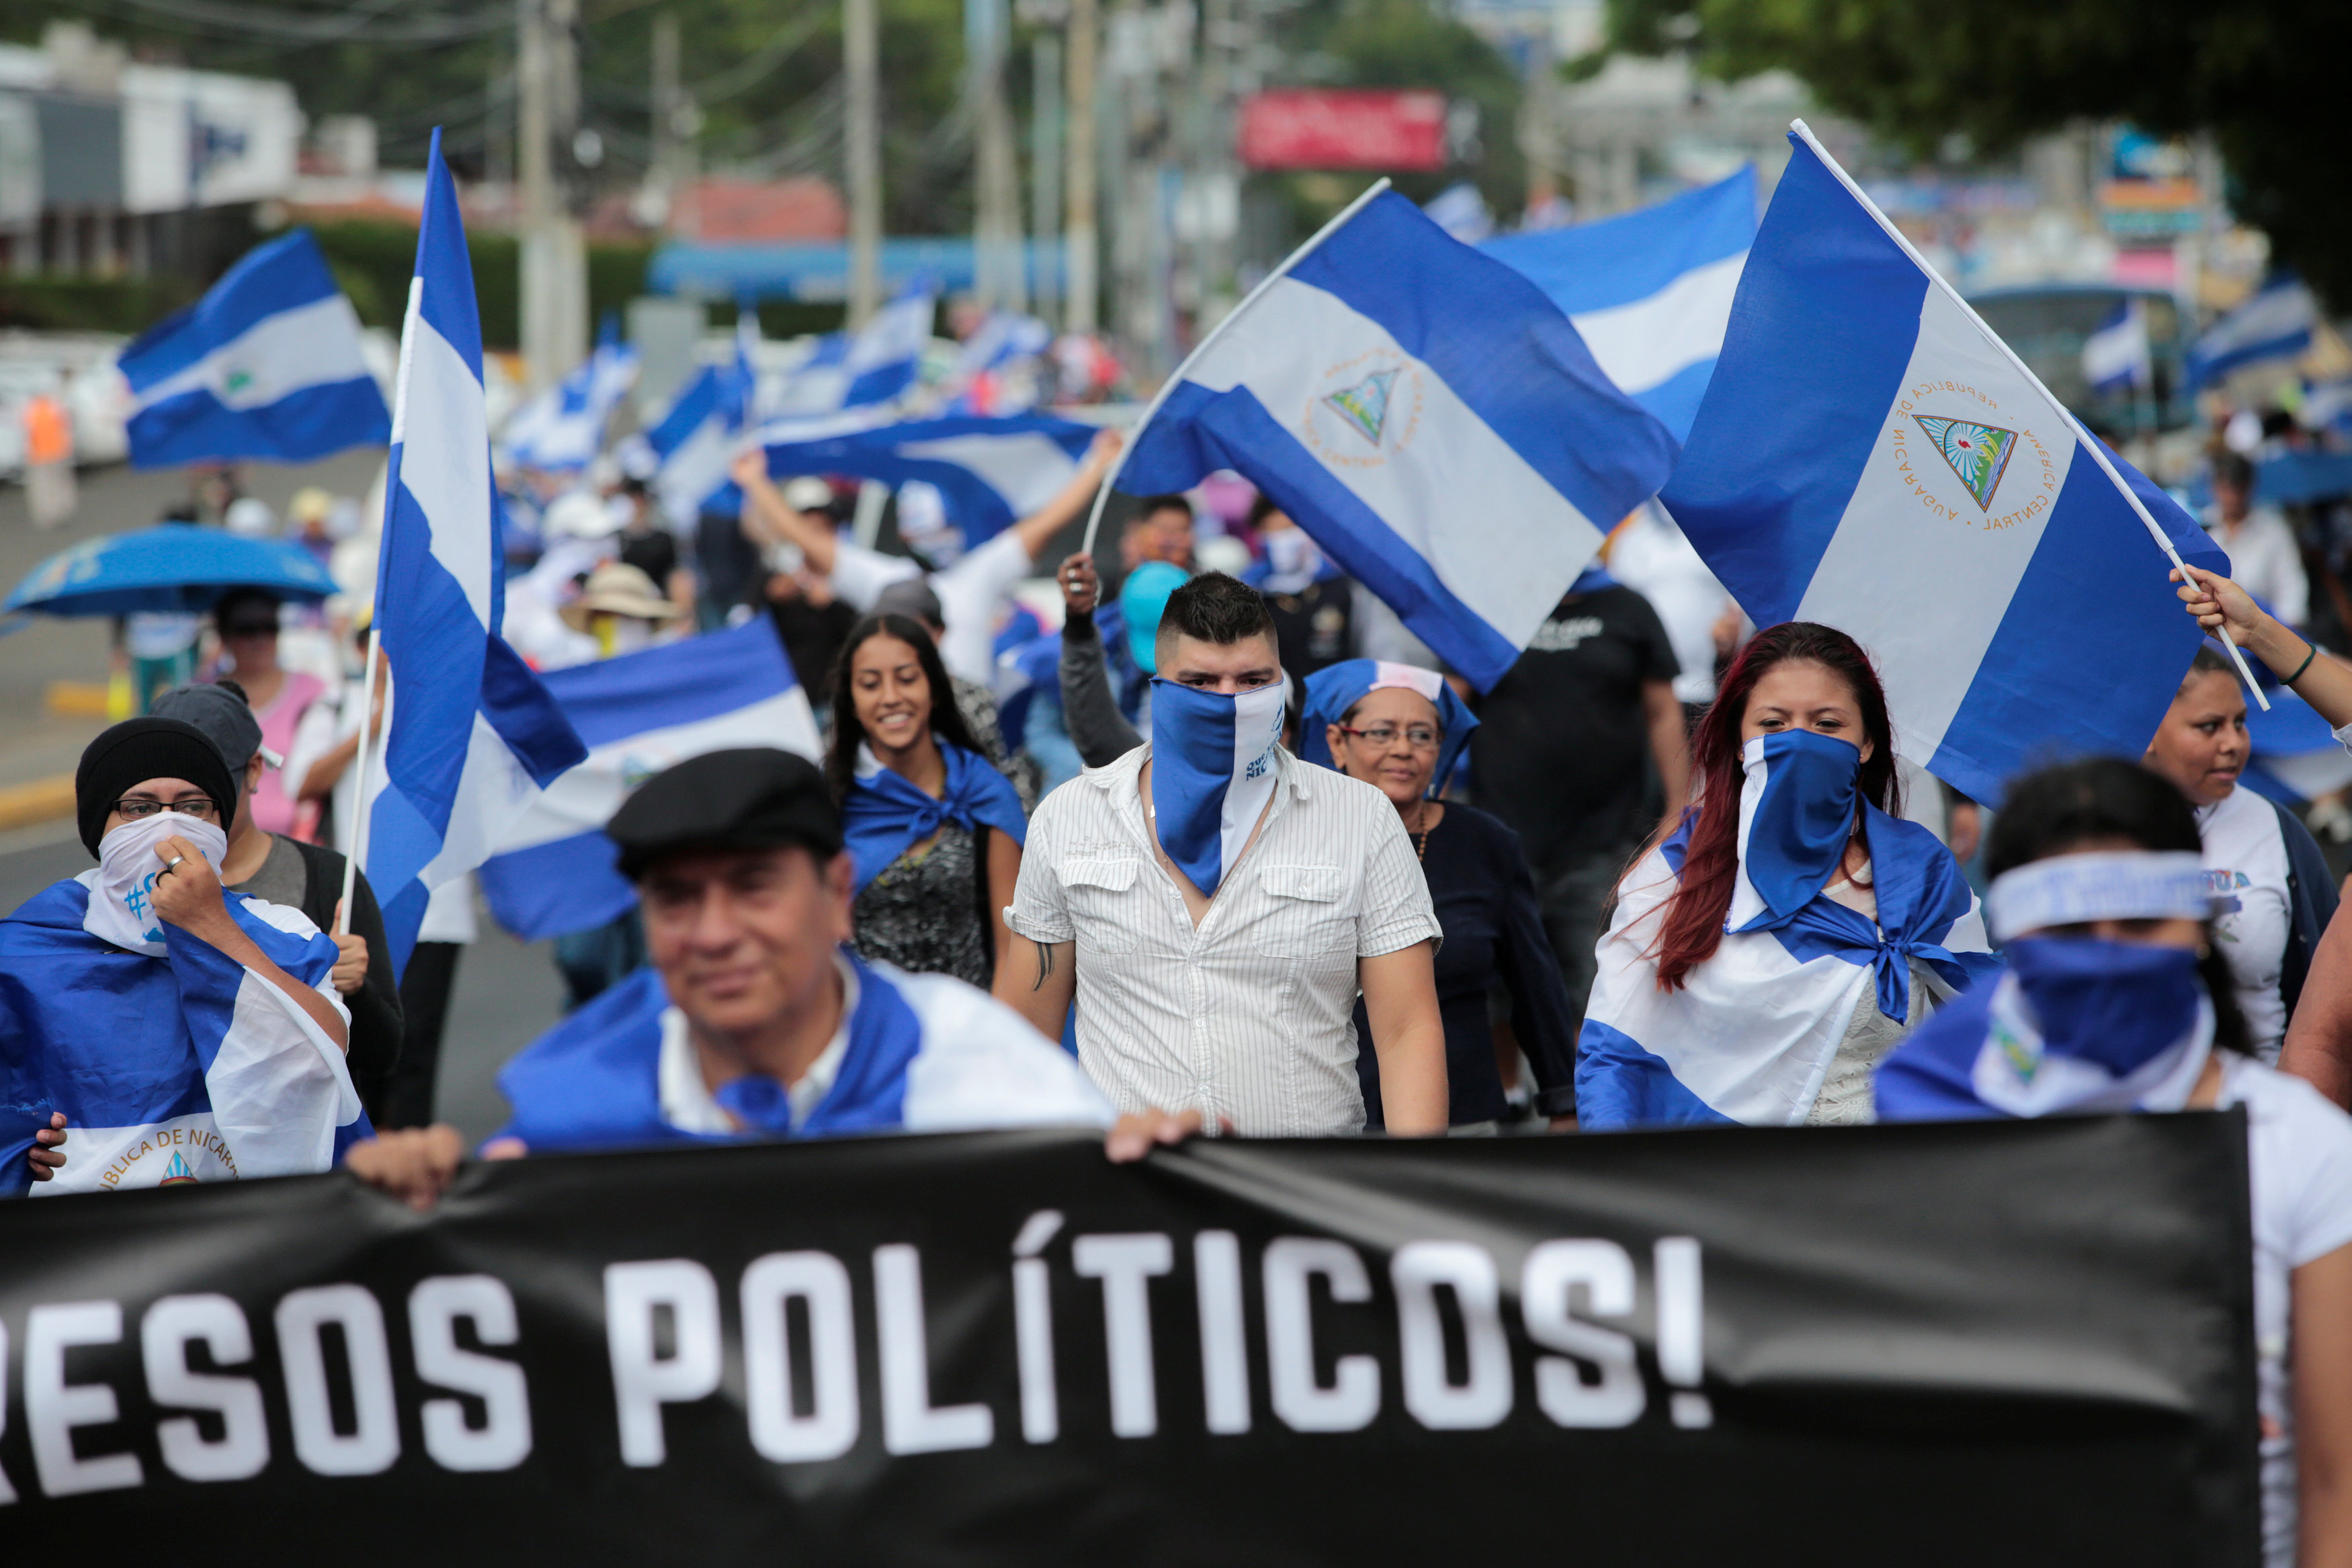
{"x":1226,"y":852}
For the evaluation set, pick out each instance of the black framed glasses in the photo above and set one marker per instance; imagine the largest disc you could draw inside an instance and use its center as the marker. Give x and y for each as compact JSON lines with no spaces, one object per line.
{"x":1419,"y":737}
{"x":196,"y":806}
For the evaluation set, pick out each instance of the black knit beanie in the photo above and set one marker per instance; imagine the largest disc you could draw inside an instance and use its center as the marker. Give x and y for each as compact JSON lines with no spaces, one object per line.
{"x":138,"y":749}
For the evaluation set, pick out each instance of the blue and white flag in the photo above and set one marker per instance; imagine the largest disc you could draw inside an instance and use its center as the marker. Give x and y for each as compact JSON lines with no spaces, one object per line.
{"x":1428,"y":417}
{"x":1750,"y":1035}
{"x":562,"y":429}
{"x":267,"y":364}
{"x":695,"y":441}
{"x":2275,"y":324}
{"x":474,"y":736}
{"x":179,"y":1067}
{"x":1870,"y":456}
{"x":1650,"y":292}
{"x":991,"y":472}
{"x":872,"y":365}
{"x":640,"y":713}
{"x":2116,"y":358}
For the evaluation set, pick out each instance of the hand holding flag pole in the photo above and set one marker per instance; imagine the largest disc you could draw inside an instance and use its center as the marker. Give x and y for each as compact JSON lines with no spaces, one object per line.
{"x":1176,"y":377}
{"x":2090,"y":444}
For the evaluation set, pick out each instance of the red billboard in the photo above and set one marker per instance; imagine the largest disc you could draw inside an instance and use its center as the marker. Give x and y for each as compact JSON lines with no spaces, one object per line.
{"x":1331,"y":128}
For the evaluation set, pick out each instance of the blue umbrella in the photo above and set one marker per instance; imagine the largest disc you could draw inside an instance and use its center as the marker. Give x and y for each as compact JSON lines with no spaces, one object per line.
{"x":175,"y":568}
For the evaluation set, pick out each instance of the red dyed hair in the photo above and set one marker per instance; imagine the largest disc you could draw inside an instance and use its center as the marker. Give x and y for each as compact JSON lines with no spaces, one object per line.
{"x":1694,"y":914}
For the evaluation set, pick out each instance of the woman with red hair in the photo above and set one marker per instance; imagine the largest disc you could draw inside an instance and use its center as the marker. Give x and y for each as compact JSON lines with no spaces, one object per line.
{"x":1764,"y":957}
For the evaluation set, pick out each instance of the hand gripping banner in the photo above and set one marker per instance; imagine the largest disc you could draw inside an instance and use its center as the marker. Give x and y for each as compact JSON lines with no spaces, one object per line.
{"x":2023,"y":1344}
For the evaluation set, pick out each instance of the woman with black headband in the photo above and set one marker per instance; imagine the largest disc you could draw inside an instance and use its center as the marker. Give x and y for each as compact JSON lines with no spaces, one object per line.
{"x":183,"y":1032}
{"x":2118,"y":999}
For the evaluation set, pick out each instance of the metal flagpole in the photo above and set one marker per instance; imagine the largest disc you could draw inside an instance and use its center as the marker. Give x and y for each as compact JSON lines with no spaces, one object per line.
{"x":2097,"y":450}
{"x":367,"y":745}
{"x":1094,"y":520}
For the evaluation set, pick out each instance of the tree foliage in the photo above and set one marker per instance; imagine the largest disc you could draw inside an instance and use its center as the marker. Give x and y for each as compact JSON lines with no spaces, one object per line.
{"x":2260,"y":79}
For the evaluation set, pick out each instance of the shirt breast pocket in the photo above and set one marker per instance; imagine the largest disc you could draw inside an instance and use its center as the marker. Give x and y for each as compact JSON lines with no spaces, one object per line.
{"x":1305,"y":918}
{"x":1102,"y":897}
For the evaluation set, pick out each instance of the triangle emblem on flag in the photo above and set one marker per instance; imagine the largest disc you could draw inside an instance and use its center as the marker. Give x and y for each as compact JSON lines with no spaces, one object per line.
{"x":1365,"y":406}
{"x":1978,"y":453}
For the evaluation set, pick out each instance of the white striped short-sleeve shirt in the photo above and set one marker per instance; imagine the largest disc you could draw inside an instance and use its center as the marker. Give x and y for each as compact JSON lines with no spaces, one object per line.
{"x":1250,"y":1017}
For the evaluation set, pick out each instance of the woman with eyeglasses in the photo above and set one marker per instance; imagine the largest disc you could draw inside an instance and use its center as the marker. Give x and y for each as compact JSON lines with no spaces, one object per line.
{"x":1400,"y":730}
{"x":183,"y":1032}
{"x":246,"y":621}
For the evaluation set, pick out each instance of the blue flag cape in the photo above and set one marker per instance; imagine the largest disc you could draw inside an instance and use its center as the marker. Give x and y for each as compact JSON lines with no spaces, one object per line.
{"x":124,"y":1044}
{"x":593,"y":1081}
{"x":885,"y":813}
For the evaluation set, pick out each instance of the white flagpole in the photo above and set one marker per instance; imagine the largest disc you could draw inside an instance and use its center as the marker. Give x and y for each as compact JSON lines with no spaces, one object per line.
{"x":2090,"y":443}
{"x":1110,"y":478}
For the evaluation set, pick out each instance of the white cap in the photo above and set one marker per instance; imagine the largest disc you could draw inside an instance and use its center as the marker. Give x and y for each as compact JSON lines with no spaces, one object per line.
{"x":251,"y":516}
{"x":580,"y":515}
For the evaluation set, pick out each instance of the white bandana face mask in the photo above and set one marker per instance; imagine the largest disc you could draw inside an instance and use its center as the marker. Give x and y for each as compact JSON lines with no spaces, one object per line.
{"x":123,"y":888}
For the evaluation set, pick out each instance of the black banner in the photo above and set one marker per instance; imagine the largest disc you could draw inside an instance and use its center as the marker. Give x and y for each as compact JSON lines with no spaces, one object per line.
{"x":2019,"y":1344}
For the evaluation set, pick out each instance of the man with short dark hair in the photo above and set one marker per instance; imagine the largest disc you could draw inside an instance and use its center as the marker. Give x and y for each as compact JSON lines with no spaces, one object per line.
{"x":754,"y":1019}
{"x":1215,"y":906}
{"x":1159,"y":528}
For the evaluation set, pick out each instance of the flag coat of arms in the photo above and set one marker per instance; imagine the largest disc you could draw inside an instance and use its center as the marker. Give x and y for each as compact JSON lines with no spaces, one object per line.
{"x":1871,"y":456}
{"x":1428,"y":415}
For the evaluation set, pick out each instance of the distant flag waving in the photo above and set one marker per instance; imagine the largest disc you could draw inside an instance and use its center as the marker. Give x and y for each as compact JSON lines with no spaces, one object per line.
{"x":2275,"y":324}
{"x":638,"y":714}
{"x":267,"y":365}
{"x":990,"y":472}
{"x":474,"y":736}
{"x":1427,"y":415}
{"x":1870,"y":456}
{"x":693,"y":442}
{"x":562,"y":428}
{"x":872,"y":365}
{"x":2116,"y":358}
{"x":1650,"y":292}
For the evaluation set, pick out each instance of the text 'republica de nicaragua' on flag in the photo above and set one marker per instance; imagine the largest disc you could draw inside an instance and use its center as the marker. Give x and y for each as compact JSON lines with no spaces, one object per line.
{"x":267,"y":364}
{"x":1650,"y":291}
{"x":1428,"y":415}
{"x":639,"y":714}
{"x":1869,"y":455}
{"x":473,"y":737}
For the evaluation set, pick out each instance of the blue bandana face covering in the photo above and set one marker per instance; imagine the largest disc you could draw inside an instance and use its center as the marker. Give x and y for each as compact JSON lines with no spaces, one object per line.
{"x":2115,"y":1005}
{"x":1212,"y":772}
{"x":1796,"y":812}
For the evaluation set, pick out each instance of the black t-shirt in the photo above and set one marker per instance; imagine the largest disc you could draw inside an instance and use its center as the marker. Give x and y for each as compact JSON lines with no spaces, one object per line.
{"x":1312,"y":628}
{"x":1562,"y":744}
{"x":654,"y":554}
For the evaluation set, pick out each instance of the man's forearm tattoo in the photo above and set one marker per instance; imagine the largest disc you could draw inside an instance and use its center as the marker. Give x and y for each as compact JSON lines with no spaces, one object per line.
{"x":1044,"y":965}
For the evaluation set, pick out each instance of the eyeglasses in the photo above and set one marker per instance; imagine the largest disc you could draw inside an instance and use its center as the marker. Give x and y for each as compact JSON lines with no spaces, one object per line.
{"x":1419,"y":737}
{"x":139,"y":810}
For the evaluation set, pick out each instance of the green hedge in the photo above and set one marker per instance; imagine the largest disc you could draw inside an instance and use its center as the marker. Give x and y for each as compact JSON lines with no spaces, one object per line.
{"x":126,"y":304}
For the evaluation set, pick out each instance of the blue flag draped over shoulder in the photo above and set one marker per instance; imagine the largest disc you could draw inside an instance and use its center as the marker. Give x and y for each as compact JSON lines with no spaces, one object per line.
{"x":183,"y":1067}
{"x":886,"y":813}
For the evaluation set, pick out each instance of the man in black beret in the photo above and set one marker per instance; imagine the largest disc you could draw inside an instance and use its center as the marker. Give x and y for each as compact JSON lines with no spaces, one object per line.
{"x":754,"y":1019}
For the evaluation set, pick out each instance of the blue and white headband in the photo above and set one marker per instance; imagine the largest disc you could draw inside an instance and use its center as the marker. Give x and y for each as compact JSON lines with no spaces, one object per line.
{"x":2106,"y":885}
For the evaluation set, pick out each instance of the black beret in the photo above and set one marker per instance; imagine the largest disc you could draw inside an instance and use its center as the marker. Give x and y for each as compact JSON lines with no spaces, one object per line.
{"x":138,"y":749}
{"x":752,"y":798}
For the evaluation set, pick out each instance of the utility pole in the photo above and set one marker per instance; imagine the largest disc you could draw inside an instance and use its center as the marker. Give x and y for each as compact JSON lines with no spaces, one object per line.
{"x":1002,"y":278}
{"x":1046,"y":161}
{"x":667,"y":117}
{"x":554,"y":253}
{"x":861,"y":63}
{"x":1083,"y":167}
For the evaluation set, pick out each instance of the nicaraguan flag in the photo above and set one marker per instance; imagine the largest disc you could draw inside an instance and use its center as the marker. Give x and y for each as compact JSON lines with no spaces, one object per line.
{"x":562,"y":428}
{"x":694,"y":441}
{"x":871,"y":365}
{"x":638,"y":714}
{"x":267,"y":364}
{"x":1650,"y":292}
{"x":1870,"y":456}
{"x":1428,"y":417}
{"x":2275,"y":324}
{"x":2116,"y":358}
{"x":991,"y":472}
{"x":1751,"y":1034}
{"x":474,"y":736}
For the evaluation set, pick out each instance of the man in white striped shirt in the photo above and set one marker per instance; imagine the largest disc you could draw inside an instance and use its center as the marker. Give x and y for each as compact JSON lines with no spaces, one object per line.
{"x":1234,"y":1003}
